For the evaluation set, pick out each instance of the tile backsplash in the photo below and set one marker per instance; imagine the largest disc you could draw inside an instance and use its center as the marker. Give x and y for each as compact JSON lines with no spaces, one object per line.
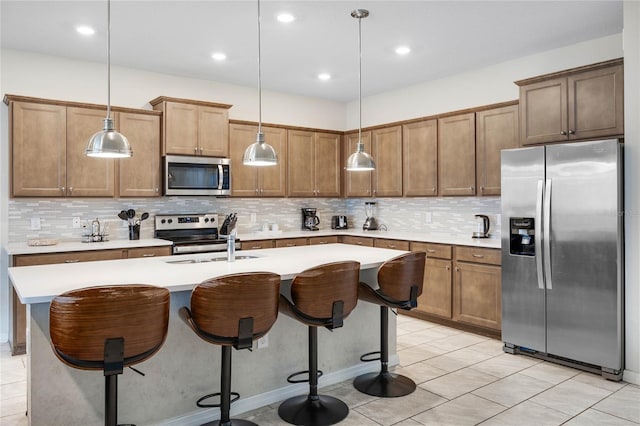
{"x":449,"y":214}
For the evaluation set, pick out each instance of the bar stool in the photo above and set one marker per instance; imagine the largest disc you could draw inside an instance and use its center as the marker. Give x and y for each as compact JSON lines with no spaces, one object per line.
{"x":232,"y":310}
{"x":400,"y":281}
{"x":108,"y":328}
{"x":322,"y":296}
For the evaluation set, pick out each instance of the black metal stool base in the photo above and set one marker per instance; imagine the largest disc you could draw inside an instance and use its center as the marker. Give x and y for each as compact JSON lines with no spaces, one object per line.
{"x":232,"y":422}
{"x":385,"y":385}
{"x":305,"y":410}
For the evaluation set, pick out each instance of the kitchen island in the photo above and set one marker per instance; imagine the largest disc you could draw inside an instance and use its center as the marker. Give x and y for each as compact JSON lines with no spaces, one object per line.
{"x":187,"y":367}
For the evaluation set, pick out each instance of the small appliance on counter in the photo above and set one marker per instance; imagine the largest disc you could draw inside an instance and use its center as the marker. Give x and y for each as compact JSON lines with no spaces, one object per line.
{"x":482,"y":226}
{"x":370,"y":224}
{"x":339,"y":222}
{"x":310,"y":220}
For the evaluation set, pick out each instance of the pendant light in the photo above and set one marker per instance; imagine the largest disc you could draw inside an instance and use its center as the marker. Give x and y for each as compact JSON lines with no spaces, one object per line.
{"x":360,"y":160}
{"x":259,"y":153}
{"x":108,"y":143}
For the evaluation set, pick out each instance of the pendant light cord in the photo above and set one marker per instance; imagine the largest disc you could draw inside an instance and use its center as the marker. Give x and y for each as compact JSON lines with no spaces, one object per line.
{"x":108,"y":58}
{"x":360,"y":82}
{"x":259,"y":76}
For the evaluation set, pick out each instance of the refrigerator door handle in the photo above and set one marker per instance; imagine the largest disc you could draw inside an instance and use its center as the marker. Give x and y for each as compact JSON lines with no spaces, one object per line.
{"x":538,"y":231}
{"x":547,"y":234}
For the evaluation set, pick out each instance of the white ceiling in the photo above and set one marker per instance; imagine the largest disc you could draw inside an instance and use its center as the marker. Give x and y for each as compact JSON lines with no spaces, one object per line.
{"x":178,"y":37}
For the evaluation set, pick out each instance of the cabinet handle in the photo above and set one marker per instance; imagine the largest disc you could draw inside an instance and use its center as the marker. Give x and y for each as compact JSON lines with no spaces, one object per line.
{"x":195,"y":149}
{"x":447,"y":267}
{"x":255,"y":247}
{"x":62,"y":189}
{"x":471,"y":189}
{"x":157,"y":190}
{"x":457,"y":269}
{"x":431,"y":251}
{"x":257,"y":191}
{"x":261,"y":190}
{"x":433,"y":190}
{"x":563,"y":132}
{"x":322,"y":242}
{"x":148,"y":255}
{"x":359,"y":243}
{"x":482,"y":189}
{"x":392,"y":246}
{"x":291,"y":245}
{"x":571,"y":132}
{"x":72,"y":261}
{"x":70,"y":189}
{"x":479,"y":256}
{"x":201,"y":150}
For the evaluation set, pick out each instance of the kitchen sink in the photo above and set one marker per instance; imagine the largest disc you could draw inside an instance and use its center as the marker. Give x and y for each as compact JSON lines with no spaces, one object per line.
{"x":215,"y":259}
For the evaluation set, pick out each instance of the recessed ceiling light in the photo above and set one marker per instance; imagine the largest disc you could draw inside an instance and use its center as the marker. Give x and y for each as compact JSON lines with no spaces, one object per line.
{"x":84,"y":30}
{"x":324,"y":76}
{"x":286,"y":17}
{"x":219,"y":56}
{"x":402,"y":50}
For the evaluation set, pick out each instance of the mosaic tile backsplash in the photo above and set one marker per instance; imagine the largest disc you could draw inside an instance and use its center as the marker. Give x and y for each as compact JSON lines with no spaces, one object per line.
{"x":420,"y":215}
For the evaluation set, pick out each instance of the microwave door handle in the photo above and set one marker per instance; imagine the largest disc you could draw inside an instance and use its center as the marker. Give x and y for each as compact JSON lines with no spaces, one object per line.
{"x":539,"y":236}
{"x":220,"y":177}
{"x":547,"y":234}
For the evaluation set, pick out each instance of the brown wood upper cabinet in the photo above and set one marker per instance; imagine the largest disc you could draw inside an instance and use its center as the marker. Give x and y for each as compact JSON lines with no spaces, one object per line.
{"x":248,"y":181}
{"x":194,"y":127}
{"x":139,"y":176}
{"x":385,"y":145}
{"x":314,"y":164}
{"x":420,"y":158}
{"x":457,"y":155}
{"x":496,"y":129}
{"x":581,"y":103}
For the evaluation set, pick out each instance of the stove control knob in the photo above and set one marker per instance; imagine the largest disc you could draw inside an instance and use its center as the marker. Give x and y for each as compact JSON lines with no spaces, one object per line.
{"x":170,"y":220}
{"x":163,"y":221}
{"x":206,"y":219}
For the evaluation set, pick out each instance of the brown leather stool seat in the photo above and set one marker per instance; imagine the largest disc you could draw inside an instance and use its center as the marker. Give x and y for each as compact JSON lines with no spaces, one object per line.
{"x":400,"y":282}
{"x":322,"y":296}
{"x":232,"y":311}
{"x":108,"y":328}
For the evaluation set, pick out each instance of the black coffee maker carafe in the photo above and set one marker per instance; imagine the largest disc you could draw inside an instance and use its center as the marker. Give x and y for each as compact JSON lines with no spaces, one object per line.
{"x":309,"y":219}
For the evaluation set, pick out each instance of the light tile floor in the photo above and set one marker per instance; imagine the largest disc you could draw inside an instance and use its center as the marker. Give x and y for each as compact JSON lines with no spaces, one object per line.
{"x":463,"y":379}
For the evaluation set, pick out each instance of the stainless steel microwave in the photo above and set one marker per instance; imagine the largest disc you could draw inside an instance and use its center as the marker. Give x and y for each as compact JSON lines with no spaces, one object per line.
{"x":186,"y":175}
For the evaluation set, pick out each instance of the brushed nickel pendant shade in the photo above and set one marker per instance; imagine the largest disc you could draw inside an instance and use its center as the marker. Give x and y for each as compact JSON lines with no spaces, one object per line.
{"x":360,"y":160}
{"x":259,"y":153}
{"x":108,"y":143}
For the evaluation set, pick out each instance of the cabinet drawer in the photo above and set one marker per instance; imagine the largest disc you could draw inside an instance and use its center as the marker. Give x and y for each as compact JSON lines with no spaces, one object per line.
{"x":257,"y":245}
{"x":391,"y":244}
{"x":357,"y":241}
{"x":438,"y":251}
{"x":67,"y":257}
{"x":291,"y":242}
{"x":478,"y":255}
{"x":149,"y":251}
{"x":323,"y":240}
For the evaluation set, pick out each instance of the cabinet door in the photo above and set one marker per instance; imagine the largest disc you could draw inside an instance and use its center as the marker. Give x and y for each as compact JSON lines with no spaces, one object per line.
{"x":387,"y":153}
{"x":244,"y":179}
{"x":272,"y":179}
{"x":213,"y":131}
{"x":436,"y":290}
{"x":301,"y":164}
{"x":596,"y":103}
{"x":139,"y":176}
{"x":457,"y":155}
{"x":87,"y":176}
{"x":477,"y":295}
{"x":357,"y":184}
{"x":39,"y":145}
{"x":420,"y":158}
{"x":180,"y":128}
{"x":543,"y":112}
{"x":327,"y":164}
{"x":496,"y":129}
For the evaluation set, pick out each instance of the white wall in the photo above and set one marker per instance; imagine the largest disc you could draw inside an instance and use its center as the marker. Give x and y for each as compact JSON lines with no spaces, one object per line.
{"x":632,"y":193}
{"x":484,"y":86}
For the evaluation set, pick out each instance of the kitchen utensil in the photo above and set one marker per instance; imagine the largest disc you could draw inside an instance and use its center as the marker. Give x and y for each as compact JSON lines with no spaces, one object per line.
{"x":144,"y":216}
{"x":123,"y":215}
{"x":131,"y":213}
{"x":370,"y":224}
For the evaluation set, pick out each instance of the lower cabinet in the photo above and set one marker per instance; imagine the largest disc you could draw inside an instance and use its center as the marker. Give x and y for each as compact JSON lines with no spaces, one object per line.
{"x":323,"y":240}
{"x":391,"y":244}
{"x":18,"y":315}
{"x":477,"y":287}
{"x":291,"y":242}
{"x":357,"y":241}
{"x":257,"y":245}
{"x":436,"y":287}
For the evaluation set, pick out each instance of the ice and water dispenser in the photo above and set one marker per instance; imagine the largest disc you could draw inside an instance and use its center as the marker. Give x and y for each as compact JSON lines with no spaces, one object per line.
{"x":523,"y":236}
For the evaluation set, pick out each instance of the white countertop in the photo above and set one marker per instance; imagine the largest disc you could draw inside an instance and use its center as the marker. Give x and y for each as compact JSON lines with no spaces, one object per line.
{"x":39,"y":284}
{"x":64,"y":246}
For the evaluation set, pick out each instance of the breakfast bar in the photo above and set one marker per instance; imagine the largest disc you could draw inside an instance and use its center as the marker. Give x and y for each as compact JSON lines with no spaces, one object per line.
{"x":186,"y":368}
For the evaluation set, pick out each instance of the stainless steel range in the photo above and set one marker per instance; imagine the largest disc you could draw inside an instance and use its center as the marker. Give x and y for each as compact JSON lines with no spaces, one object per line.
{"x":192,"y":233}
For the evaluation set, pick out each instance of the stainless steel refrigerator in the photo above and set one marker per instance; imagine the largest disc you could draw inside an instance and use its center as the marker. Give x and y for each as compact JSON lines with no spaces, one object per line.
{"x":562,"y":254}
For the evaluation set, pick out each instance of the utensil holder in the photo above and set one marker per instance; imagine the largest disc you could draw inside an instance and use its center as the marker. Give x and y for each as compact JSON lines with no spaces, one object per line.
{"x":134,"y":232}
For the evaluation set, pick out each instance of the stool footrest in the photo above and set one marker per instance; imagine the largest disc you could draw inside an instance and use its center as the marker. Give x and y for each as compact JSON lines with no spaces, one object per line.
{"x":199,"y":403}
{"x":366,"y":357}
{"x":291,"y":379}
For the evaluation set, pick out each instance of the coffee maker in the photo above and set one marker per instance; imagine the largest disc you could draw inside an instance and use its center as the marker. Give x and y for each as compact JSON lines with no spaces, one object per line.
{"x":310,"y":220}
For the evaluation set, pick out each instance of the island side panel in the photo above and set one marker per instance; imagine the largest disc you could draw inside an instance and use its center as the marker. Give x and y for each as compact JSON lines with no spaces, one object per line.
{"x":187,"y":368}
